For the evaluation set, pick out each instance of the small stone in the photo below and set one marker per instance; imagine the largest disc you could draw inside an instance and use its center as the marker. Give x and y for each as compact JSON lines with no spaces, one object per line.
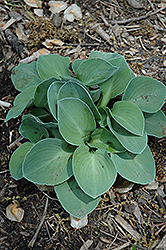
{"x":78,"y":223}
{"x":152,"y":186}
{"x":38,"y":12}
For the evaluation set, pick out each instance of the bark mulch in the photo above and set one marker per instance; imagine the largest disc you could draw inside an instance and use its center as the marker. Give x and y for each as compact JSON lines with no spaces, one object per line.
{"x":137,"y":218}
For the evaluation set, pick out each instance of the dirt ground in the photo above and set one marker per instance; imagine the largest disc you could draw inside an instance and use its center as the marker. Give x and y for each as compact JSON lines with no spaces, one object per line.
{"x":137,"y":218}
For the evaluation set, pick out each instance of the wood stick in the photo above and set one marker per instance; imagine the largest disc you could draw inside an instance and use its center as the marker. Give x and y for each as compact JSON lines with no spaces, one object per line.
{"x":132,"y":19}
{"x":32,"y":242}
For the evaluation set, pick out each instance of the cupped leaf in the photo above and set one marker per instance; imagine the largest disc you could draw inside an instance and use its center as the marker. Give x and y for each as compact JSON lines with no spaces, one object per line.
{"x":147,"y":93}
{"x":103,"y":139}
{"x":20,"y":103}
{"x":76,"y":64}
{"x":117,"y":83}
{"x":74,"y":200}
{"x":129,"y":116}
{"x":133,"y":143}
{"x":48,"y":162}
{"x":94,"y":171}
{"x":40,"y":96}
{"x":17,"y":158}
{"x":95,"y":71}
{"x":51,"y":127}
{"x":25,"y":75}
{"x":136,"y":168}
{"x":42,"y":114}
{"x":75,"y":120}
{"x":53,"y":66}
{"x":95,"y":94}
{"x":106,"y":56}
{"x":52,"y":97}
{"x":104,"y":111}
{"x":155,"y":124}
{"x":73,"y":89}
{"x":33,"y":130}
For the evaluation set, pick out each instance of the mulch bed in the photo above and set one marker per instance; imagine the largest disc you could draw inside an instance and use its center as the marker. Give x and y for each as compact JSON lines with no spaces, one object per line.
{"x":121,"y":221}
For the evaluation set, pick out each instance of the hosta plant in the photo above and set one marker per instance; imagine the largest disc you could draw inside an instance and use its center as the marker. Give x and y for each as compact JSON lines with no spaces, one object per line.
{"x":85,"y":126}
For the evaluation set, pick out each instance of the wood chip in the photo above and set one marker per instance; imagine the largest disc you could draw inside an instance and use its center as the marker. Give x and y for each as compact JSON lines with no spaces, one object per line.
{"x":135,"y":4}
{"x":162,"y":244}
{"x":86,"y":245}
{"x":20,"y":33}
{"x":101,"y":33}
{"x":127,"y":227}
{"x":137,"y":212}
{"x":122,"y":247}
{"x":9,"y":23}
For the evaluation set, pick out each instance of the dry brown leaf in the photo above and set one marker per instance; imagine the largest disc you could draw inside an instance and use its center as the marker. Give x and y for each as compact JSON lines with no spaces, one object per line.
{"x":57,"y":6}
{"x":135,"y":4}
{"x":14,"y":212}
{"x":73,"y":12}
{"x":33,"y":3}
{"x":50,"y":42}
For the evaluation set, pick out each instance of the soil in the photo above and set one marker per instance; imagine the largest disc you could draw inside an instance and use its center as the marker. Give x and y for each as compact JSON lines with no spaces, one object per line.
{"x":143,"y":43}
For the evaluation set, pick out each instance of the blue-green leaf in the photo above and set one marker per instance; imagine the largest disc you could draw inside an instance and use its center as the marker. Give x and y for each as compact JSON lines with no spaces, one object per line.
{"x":73,"y":89}
{"x":20,"y":103}
{"x":40,"y":96}
{"x":76,"y":64}
{"x":129,"y":116}
{"x":32,"y":129}
{"x":17,"y":158}
{"x":48,"y":162}
{"x":52,"y":97}
{"x":25,"y":75}
{"x":133,"y":143}
{"x":53,"y":66}
{"x":155,"y":124}
{"x":95,"y":71}
{"x":103,"y":139}
{"x":75,"y":120}
{"x":147,"y":93}
{"x":74,"y":200}
{"x":94,"y":171}
{"x":117,"y":83}
{"x":136,"y":168}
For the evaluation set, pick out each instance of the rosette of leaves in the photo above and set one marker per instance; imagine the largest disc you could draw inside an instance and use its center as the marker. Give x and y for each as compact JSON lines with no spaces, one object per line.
{"x":82,"y":130}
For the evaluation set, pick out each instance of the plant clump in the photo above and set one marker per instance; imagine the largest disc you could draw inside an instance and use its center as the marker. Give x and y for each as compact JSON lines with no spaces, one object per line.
{"x":83,"y":130}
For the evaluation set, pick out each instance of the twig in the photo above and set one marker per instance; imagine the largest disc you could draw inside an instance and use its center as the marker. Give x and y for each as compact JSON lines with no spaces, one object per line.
{"x":153,"y":211}
{"x":161,"y":228}
{"x":142,"y":44}
{"x":158,"y":16}
{"x":82,"y":44}
{"x":123,"y":246}
{"x":132,"y":19}
{"x":110,"y":4}
{"x":120,"y":239}
{"x":5,"y":104}
{"x":94,"y":38}
{"x":3,"y":190}
{"x":32,"y":242}
{"x":2,"y":172}
{"x":15,"y":142}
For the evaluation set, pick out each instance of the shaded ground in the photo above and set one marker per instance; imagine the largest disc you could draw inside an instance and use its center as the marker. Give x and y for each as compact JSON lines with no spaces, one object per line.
{"x":143,"y":43}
